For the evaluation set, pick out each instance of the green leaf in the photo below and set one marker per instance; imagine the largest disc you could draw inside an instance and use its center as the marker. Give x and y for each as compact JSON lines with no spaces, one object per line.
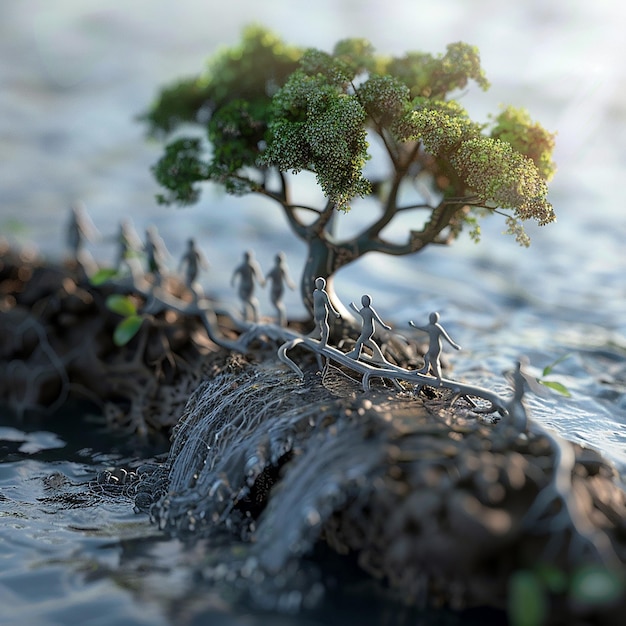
{"x":548,"y":368}
{"x":527,"y":602}
{"x":122,"y":305}
{"x":14,"y":226}
{"x":127,"y":329}
{"x":558,"y":387}
{"x":596,"y":585}
{"x":102,"y":276}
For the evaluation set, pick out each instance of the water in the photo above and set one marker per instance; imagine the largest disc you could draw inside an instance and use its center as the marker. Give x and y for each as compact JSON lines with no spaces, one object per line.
{"x":74,"y":74}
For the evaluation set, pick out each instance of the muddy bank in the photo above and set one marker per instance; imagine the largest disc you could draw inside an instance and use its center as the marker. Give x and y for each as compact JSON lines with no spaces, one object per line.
{"x":435,"y":502}
{"x":438,"y":503}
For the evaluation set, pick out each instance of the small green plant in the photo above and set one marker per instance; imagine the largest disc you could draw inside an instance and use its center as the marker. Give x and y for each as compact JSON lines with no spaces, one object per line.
{"x":102,"y":276}
{"x":588,"y":587}
{"x":553,"y":384}
{"x":271,"y":111}
{"x":129,"y":326}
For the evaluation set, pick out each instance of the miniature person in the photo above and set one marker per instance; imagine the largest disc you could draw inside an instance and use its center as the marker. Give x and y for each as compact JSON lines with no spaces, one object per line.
{"x":369,"y":317}
{"x":321,"y":308}
{"x":79,"y":230}
{"x":156,"y":253}
{"x":193,"y":260}
{"x":279,"y":277}
{"x":248,"y":272}
{"x":436,"y":333}
{"x":129,"y":248}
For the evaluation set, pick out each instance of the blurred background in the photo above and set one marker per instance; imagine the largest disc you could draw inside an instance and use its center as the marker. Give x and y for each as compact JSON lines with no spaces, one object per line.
{"x":76,"y":73}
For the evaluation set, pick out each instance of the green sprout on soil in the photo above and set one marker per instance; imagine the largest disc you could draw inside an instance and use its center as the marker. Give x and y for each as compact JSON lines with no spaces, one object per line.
{"x":131,"y":321}
{"x":553,"y":384}
{"x":367,"y":127}
{"x":588,"y":587}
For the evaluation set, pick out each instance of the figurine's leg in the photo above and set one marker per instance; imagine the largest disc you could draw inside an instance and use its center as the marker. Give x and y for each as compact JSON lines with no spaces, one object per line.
{"x":355,"y":353}
{"x":282,"y":314}
{"x":377,"y":355}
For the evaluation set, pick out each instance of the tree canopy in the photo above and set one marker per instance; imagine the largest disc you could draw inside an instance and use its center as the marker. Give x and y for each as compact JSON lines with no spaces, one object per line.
{"x":270,"y":108}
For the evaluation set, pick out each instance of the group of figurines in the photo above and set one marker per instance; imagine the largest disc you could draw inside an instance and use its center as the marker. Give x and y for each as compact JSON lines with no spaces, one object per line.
{"x":130,"y":250}
{"x":322,"y":308}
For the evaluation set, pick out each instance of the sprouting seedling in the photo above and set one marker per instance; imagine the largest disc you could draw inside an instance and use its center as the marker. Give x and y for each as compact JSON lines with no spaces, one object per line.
{"x":553,"y":384}
{"x":129,"y":326}
{"x":102,"y":276}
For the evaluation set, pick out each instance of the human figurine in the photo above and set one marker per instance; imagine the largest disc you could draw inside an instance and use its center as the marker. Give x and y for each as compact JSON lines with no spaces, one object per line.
{"x":369,"y":317}
{"x":322,"y":306}
{"x":248,"y":272}
{"x":279,"y":277}
{"x":192,"y":261}
{"x":79,"y":230}
{"x":436,"y":333}
{"x":156,"y":253}
{"x":129,"y":248}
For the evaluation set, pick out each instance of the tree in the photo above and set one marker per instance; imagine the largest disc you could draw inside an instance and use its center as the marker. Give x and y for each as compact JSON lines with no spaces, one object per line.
{"x":271,"y":111}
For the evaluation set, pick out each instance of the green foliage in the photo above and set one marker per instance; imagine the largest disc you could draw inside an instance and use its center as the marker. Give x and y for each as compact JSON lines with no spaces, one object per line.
{"x":593,"y":586}
{"x":441,"y":126}
{"x":527,"y":137}
{"x":265,"y":105}
{"x":122,"y":305}
{"x":127,"y":329}
{"x":553,"y":384}
{"x":13,"y":226}
{"x":102,"y":276}
{"x":130,"y":325}
{"x":179,"y":171}
{"x":318,"y":127}
{"x":436,"y":76}
{"x":589,"y":586}
{"x":527,"y":600}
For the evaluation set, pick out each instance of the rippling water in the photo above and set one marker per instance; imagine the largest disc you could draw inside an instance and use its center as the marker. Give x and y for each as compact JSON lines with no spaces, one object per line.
{"x":73,"y":76}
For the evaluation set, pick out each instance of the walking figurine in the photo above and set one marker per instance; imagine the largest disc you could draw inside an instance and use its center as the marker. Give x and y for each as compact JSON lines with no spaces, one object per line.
{"x":129,"y":248}
{"x":279,"y":277}
{"x":322,"y":306}
{"x":436,"y":333}
{"x":248,"y":272}
{"x":193,"y":261}
{"x":156,"y":253}
{"x":369,"y":316}
{"x":79,"y":230}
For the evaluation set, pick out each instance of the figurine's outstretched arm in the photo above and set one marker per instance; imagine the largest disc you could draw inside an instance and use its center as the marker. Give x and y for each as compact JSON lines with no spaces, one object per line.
{"x":412,"y":323}
{"x":445,"y":335}
{"x":377,"y":318}
{"x":288,"y":280}
{"x":354,"y":308}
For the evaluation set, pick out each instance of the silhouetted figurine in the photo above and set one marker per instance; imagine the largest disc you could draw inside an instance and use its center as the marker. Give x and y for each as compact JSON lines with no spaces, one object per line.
{"x":516,"y":409}
{"x":369,"y":317}
{"x":436,"y":333}
{"x":322,"y":306}
{"x":156,"y":253}
{"x":522,"y":381}
{"x":279,"y":277}
{"x":192,"y":262}
{"x":129,"y":248}
{"x":248,"y":272}
{"x":80,"y":229}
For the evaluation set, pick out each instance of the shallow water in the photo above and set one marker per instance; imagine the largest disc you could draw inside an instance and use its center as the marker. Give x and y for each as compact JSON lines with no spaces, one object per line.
{"x":75,"y":74}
